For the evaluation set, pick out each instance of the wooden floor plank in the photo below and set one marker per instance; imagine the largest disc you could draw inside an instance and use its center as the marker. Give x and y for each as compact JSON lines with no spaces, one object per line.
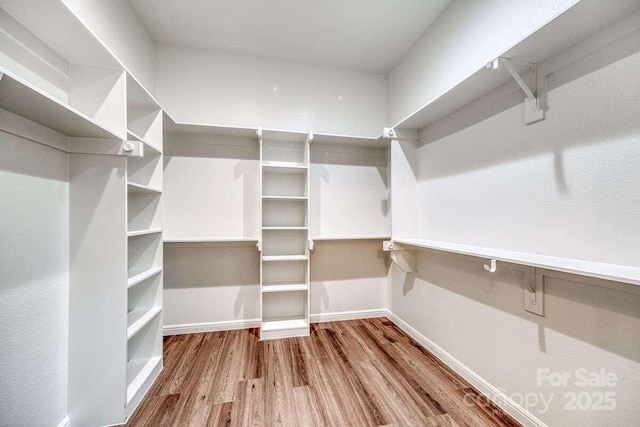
{"x":356,"y":373}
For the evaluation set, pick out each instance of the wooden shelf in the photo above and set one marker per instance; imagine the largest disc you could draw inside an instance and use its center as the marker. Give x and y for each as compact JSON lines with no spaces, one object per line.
{"x":144,"y":232}
{"x":284,"y":287}
{"x":577,"y":23}
{"x":137,"y":276}
{"x":23,"y":99}
{"x":138,"y":318}
{"x":270,"y":258}
{"x":286,"y":323}
{"x":142,"y":189}
{"x":617,"y":273}
{"x":285,"y":198}
{"x":138,"y":371}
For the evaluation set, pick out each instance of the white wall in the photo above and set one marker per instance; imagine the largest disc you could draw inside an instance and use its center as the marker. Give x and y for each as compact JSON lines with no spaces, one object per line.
{"x":204,"y":86}
{"x":211,"y":186}
{"x":116,"y":24}
{"x":34,"y":282}
{"x":568,"y":186}
{"x":467,"y":35}
{"x":348,"y":276}
{"x":348,"y":191}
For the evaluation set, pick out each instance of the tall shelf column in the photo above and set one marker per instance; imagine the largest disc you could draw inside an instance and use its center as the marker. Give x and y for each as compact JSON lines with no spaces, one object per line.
{"x":284,"y":243}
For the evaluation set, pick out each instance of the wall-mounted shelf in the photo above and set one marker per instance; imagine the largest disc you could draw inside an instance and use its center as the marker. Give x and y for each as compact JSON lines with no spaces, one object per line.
{"x":338,"y":238}
{"x":210,"y":240}
{"x":617,"y":273}
{"x":577,"y":23}
{"x":283,"y":228}
{"x":23,"y":99}
{"x":285,"y":198}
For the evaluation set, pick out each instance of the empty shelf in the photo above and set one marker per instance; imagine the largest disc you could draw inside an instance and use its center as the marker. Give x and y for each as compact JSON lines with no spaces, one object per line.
{"x":210,"y":239}
{"x":284,"y":167}
{"x":140,"y":188}
{"x":284,"y":197}
{"x":617,"y":273}
{"x":285,"y":287}
{"x":364,"y":237}
{"x":138,"y":371}
{"x":285,"y":258}
{"x":23,"y":99}
{"x":137,"y":276}
{"x":144,"y":232}
{"x":283,"y":228}
{"x":284,"y":323}
{"x":138,"y":318}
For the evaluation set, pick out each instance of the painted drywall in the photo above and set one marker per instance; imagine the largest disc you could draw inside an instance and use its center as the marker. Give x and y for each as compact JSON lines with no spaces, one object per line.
{"x":211,"y":186}
{"x":567,"y":186}
{"x":348,"y":276}
{"x":116,"y":24}
{"x":204,"y":86}
{"x":467,"y":35}
{"x":34,"y":282}
{"x":205,"y":284}
{"x":348,"y":191}
{"x":478,"y":319}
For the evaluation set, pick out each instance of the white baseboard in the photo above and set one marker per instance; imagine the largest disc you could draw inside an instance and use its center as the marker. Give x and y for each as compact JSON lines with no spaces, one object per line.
{"x":496,"y":396}
{"x":196,"y":328}
{"x":66,"y":422}
{"x":348,"y":315}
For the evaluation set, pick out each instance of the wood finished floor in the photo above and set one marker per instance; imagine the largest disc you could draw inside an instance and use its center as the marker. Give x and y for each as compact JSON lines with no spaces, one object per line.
{"x":353,"y":373}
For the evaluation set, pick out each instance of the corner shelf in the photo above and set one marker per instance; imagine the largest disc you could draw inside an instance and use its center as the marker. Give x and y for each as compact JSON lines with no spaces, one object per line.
{"x":613,"y":272}
{"x":23,"y":99}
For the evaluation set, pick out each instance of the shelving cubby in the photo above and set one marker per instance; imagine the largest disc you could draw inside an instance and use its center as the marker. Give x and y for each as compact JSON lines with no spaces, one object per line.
{"x":284,"y":272}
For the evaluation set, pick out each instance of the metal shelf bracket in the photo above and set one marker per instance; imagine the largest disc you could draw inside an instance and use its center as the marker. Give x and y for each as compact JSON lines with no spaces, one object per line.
{"x":533,"y":110}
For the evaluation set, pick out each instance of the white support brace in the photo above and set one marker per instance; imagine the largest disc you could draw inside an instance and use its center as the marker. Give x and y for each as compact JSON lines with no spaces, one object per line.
{"x":404,"y":259}
{"x":310,"y":137}
{"x":311,"y":244}
{"x":259,"y":134}
{"x":1,"y":75}
{"x":533,"y":112}
{"x":106,"y":147}
{"x":259,"y":245}
{"x":399,"y":134}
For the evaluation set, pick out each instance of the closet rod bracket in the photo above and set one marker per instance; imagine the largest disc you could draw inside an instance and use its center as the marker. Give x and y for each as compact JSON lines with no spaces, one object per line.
{"x":533,"y":110}
{"x":404,"y":259}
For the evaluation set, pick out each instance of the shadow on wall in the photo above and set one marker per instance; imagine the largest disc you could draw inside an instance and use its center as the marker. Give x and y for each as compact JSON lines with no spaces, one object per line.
{"x":604,"y":318}
{"x":589,"y":100}
{"x":222,"y":266}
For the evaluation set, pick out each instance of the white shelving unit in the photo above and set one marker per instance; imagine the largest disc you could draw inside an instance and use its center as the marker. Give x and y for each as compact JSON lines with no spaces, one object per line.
{"x":145,"y":249}
{"x":284,"y":244}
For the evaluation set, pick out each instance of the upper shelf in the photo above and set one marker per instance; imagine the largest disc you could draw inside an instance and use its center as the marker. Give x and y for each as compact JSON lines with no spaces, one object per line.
{"x":23,"y":99}
{"x":577,"y":23}
{"x":617,"y":273}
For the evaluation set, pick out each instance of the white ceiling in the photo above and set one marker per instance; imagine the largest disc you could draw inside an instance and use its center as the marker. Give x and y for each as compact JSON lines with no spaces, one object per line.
{"x":368,"y":35}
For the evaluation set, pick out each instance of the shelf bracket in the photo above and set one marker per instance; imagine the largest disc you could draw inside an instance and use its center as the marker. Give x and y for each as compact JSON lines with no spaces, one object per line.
{"x":259,"y":245}
{"x":311,"y":244}
{"x":310,"y":137}
{"x":107,"y":147}
{"x":399,"y":134}
{"x":533,"y":111}
{"x":259,"y":134}
{"x":1,"y":75}
{"x":404,"y":259}
{"x":534,"y":291}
